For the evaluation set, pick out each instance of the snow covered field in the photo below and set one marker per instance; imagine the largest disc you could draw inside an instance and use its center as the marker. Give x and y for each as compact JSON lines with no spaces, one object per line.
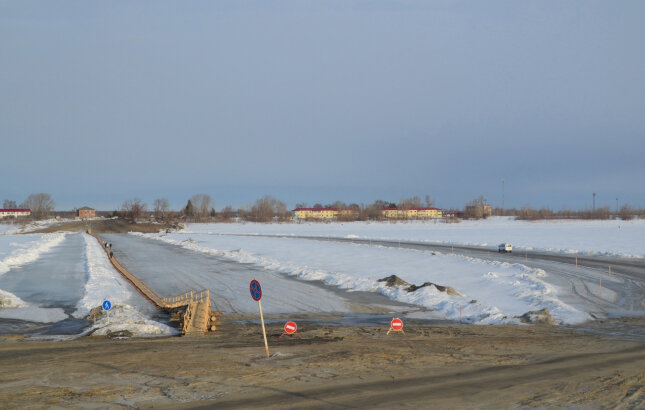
{"x":624,"y":238}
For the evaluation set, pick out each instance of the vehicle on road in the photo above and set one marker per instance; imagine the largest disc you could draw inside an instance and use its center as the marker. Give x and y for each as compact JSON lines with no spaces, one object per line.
{"x":505,"y":248}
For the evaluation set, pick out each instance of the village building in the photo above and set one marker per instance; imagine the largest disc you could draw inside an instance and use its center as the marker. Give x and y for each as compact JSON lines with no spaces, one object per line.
{"x":14,"y":213}
{"x":315,"y":213}
{"x":478,"y":211}
{"x":412,"y":213}
{"x":86,"y":213}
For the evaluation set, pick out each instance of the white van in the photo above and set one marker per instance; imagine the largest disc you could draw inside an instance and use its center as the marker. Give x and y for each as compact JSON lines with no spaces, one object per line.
{"x":505,"y":247}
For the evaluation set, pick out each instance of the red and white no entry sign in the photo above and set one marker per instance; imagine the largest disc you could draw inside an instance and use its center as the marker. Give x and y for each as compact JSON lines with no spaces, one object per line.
{"x":290,"y":328}
{"x":396,"y":325}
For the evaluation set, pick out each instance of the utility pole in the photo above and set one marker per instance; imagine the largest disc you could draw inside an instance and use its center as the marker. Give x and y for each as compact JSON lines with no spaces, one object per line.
{"x":616,"y":206}
{"x":502,"y":195}
{"x":593,"y":208}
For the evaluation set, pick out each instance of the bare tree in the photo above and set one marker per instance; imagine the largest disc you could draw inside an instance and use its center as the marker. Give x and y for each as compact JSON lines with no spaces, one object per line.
{"x":626,"y":213}
{"x":429,"y":201}
{"x":201,"y":205}
{"x":40,"y":204}
{"x":7,"y":204}
{"x":477,"y":208}
{"x":161,"y":208}
{"x":410,"y":203}
{"x":134,"y":208}
{"x":266,"y":208}
{"x":227,"y":213}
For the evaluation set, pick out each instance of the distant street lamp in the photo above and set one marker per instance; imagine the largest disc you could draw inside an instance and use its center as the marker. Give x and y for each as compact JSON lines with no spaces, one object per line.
{"x":502,"y":195}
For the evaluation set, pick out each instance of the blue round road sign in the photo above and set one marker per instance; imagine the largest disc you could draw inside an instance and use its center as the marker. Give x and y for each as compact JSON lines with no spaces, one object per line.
{"x":256,"y":290}
{"x":107,"y":305}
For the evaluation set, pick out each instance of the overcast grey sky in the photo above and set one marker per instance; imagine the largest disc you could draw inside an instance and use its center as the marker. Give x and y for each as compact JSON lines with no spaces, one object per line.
{"x":315,"y":101}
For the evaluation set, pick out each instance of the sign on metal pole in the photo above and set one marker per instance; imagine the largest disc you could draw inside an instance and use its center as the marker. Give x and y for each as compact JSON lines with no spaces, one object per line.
{"x":256,"y":290}
{"x":107,"y":305}
{"x":256,"y":294}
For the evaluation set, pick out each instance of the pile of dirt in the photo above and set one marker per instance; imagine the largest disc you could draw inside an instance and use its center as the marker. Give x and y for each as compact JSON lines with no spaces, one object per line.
{"x":393,"y":280}
{"x":449,"y":290}
{"x":95,"y":313}
{"x":118,"y":334}
{"x":537,"y":317}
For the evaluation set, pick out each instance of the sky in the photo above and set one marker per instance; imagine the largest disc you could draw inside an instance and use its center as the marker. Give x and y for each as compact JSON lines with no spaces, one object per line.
{"x":313,"y":102}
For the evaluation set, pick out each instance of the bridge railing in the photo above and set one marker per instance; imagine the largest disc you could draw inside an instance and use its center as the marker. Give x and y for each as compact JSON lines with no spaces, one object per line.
{"x":187,"y":298}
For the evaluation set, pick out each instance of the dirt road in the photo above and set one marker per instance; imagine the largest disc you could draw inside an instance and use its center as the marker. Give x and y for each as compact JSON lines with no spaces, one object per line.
{"x":447,"y":366}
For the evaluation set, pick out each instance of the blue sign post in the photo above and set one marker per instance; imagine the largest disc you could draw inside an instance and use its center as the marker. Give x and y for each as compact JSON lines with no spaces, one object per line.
{"x":256,"y":294}
{"x":107,"y":305}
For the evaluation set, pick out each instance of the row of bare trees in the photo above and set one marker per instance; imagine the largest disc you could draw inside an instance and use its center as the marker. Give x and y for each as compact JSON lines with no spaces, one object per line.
{"x":528,"y":213}
{"x":41,"y":205}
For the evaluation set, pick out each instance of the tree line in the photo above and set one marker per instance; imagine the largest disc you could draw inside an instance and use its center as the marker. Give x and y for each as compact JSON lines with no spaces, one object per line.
{"x":201,"y":208}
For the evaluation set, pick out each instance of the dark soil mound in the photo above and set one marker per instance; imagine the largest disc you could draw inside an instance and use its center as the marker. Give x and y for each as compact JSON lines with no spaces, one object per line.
{"x":537,"y":317}
{"x":394,"y":280}
{"x":447,"y":289}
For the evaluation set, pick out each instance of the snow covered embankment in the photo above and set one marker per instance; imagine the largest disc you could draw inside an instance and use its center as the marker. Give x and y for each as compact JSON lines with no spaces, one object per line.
{"x":103,"y":282}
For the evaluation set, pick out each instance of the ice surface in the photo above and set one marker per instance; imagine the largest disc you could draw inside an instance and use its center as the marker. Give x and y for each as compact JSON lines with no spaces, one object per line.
{"x":17,"y":250}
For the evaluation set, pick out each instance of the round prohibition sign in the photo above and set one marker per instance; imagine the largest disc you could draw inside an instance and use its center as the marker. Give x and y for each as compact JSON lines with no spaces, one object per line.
{"x":396,"y":325}
{"x":290,"y":328}
{"x":256,"y":290}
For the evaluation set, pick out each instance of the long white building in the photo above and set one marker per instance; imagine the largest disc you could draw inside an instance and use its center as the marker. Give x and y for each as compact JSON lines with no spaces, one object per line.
{"x":5,"y":213}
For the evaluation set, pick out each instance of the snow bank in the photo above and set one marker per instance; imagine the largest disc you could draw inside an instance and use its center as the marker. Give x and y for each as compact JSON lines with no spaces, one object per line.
{"x":492,"y":292}
{"x":125,"y":318}
{"x":609,"y":237}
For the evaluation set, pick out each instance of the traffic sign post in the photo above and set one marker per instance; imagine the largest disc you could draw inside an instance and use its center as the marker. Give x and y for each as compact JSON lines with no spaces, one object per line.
{"x":396,"y":325}
{"x":289,"y":329}
{"x":107,"y":305}
{"x":256,"y":294}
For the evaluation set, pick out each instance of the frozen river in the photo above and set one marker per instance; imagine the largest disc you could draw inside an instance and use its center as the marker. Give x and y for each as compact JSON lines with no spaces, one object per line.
{"x":50,"y":282}
{"x":54,"y":292}
{"x":169,"y":269}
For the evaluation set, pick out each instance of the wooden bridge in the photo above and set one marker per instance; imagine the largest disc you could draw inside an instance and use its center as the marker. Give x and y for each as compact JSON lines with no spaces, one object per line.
{"x":192,"y":308}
